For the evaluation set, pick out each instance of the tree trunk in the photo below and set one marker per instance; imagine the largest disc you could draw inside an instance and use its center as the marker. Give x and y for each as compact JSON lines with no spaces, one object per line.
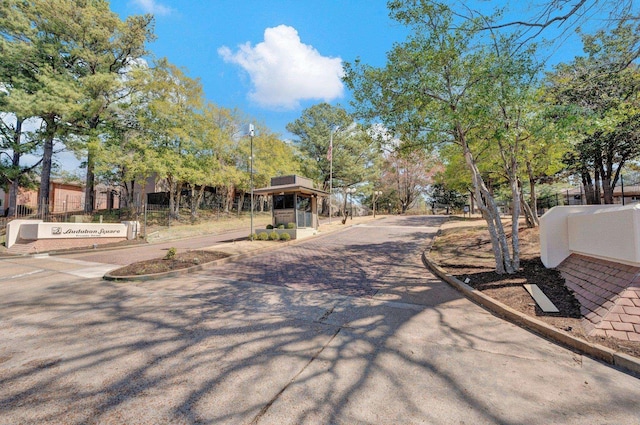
{"x":607,"y":187}
{"x":45,"y":176}
{"x":228,"y":204}
{"x":345,"y":213}
{"x":516,"y":196}
{"x":533,"y":197}
{"x":529,"y":216}
{"x":597,"y":192}
{"x":178,"y":197}
{"x":589,"y":189}
{"x":15,"y":163}
{"x":490,"y":212}
{"x":240,"y":202}
{"x":171,"y":196}
{"x":196,"y":198}
{"x":89,"y":188}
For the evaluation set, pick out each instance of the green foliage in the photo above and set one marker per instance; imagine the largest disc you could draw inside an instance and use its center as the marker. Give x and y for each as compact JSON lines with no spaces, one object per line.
{"x":441,"y":196}
{"x":171,"y":253}
{"x":274,"y":236}
{"x":354,"y":150}
{"x":269,"y":226}
{"x":263,"y":236}
{"x":291,"y":225}
{"x":452,"y":82}
{"x":280,"y":226}
{"x":285,"y":237}
{"x":253,"y":237}
{"x":595,"y":99}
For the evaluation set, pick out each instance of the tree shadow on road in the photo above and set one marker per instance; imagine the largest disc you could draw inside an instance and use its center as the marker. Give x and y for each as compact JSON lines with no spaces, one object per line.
{"x":269,"y":340}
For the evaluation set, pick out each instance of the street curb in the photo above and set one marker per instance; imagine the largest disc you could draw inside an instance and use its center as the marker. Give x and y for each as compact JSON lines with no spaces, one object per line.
{"x":229,"y":259}
{"x":623,"y":361}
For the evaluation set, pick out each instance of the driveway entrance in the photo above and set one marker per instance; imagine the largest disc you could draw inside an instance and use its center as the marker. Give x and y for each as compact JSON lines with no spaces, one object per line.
{"x":346,"y":328}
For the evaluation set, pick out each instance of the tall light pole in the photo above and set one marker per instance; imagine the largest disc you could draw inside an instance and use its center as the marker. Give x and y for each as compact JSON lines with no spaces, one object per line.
{"x":251,"y":133}
{"x":376,"y":193}
{"x":330,"y":155}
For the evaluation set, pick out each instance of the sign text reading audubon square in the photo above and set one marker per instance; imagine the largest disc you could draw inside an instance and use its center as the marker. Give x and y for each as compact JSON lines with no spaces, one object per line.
{"x":92,"y":232}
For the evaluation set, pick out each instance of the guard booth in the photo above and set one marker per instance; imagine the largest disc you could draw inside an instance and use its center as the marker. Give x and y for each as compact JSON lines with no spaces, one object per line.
{"x":295,"y":200}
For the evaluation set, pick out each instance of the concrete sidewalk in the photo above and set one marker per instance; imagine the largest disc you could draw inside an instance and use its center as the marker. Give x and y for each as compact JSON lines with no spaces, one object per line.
{"x":348,"y":328}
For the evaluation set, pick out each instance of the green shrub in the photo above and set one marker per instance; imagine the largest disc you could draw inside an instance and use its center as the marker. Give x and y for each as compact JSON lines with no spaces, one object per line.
{"x":280,"y":226}
{"x":263,"y":236}
{"x":269,"y":226}
{"x":291,"y":225}
{"x":253,"y":237}
{"x":171,"y":253}
{"x":274,"y":236}
{"x":285,"y":237}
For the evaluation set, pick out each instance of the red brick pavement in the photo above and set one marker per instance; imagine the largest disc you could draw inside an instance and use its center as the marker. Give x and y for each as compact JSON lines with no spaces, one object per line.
{"x":357,"y":262}
{"x":609,"y":295}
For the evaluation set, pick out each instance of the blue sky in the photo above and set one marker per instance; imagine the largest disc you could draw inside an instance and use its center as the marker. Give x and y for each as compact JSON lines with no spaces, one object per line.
{"x":271,"y":59}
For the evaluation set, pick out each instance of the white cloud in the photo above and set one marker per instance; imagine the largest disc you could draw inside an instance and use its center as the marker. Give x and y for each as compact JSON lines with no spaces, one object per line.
{"x":153,"y":7}
{"x":284,"y":71}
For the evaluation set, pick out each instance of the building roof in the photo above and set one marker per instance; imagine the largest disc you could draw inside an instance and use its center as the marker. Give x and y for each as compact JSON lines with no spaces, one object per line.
{"x":290,"y":184}
{"x":289,"y":188}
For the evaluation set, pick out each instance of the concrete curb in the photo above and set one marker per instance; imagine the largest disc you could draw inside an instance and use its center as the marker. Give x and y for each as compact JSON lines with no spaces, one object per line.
{"x":623,"y":361}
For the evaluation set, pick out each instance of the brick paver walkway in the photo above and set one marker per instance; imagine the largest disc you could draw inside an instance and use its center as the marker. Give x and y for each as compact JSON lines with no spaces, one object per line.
{"x":609,"y":295}
{"x":359,"y":262}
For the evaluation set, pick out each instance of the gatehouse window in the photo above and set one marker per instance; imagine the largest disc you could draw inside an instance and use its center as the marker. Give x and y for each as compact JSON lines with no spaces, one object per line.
{"x":282,"y":202}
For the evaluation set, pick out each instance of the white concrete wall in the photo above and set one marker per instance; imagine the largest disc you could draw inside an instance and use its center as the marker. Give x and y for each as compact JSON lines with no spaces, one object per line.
{"x":14,"y":229}
{"x":607,"y":233}
{"x":36,"y":229}
{"x":603,"y":231}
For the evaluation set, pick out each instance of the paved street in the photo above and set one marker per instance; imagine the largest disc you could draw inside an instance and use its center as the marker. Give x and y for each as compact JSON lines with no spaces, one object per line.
{"x":348,"y":328}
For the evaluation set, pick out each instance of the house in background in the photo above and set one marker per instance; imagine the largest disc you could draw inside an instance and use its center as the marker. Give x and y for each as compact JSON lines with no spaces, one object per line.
{"x":64,"y":197}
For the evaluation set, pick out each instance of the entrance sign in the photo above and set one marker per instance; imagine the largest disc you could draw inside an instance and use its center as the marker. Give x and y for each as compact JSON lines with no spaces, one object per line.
{"x":37,"y":229}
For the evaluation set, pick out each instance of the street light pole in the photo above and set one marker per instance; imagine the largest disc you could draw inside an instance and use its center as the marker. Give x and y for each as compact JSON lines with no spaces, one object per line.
{"x":251,"y":133}
{"x":330,"y":155}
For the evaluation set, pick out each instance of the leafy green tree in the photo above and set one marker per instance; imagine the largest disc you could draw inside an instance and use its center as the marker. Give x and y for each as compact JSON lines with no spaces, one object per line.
{"x":43,"y":85}
{"x":451,"y":83}
{"x":35,"y":84}
{"x":354,"y":153}
{"x":596,"y":96}
{"x":106,"y":48}
{"x":173,"y":101}
{"x":440,"y":195}
{"x":406,"y":175}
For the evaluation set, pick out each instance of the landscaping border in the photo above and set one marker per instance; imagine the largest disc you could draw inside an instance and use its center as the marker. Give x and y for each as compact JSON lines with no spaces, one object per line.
{"x":623,"y":361}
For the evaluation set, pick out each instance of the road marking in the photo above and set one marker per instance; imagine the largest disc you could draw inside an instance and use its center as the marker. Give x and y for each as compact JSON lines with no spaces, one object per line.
{"x":18,"y":276}
{"x":74,"y":261}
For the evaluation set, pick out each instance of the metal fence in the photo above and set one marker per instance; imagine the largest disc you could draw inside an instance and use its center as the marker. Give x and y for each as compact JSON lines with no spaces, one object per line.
{"x":148,"y":215}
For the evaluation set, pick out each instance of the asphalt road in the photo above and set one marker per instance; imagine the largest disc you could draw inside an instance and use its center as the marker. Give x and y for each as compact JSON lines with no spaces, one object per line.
{"x":349,"y":328}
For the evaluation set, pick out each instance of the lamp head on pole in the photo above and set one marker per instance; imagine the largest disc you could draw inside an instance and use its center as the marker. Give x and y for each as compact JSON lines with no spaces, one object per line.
{"x":248,"y":130}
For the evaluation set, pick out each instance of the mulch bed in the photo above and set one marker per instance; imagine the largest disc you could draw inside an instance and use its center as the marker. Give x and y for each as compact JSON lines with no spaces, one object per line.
{"x":180,"y":261}
{"x":466,"y":253}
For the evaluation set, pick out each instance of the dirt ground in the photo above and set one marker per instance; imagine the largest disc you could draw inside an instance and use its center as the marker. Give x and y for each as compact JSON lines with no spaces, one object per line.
{"x":180,"y":261}
{"x":463,"y":248}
